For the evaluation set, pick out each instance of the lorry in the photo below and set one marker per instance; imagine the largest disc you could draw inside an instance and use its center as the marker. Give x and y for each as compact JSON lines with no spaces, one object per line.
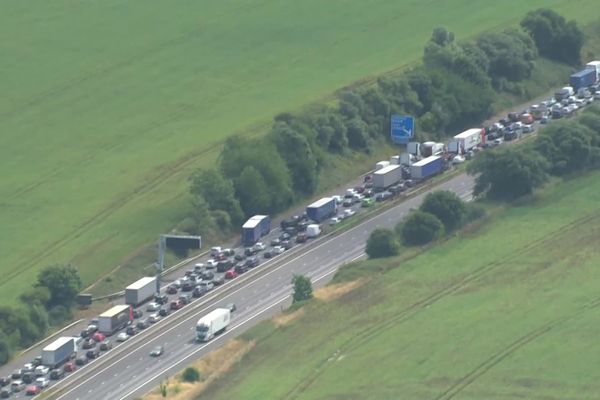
{"x":595,"y":65}
{"x":429,"y":149}
{"x":322,"y":209}
{"x":114,"y":319}
{"x":255,"y":228}
{"x":465,"y":141}
{"x":140,"y":291}
{"x":381,"y":165}
{"x":212,"y":324}
{"x":427,"y":167}
{"x":58,"y":351}
{"x":414,"y":148}
{"x":387,"y":177}
{"x":313,"y":230}
{"x":395,"y":160}
{"x":583,"y":78}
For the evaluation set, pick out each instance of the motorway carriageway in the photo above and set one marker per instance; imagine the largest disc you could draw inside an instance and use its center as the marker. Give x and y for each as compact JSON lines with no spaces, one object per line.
{"x":128,"y":371}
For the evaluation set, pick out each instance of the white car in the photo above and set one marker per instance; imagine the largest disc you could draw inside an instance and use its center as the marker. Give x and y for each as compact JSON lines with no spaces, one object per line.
{"x":458,"y":160}
{"x":153,"y":307}
{"x":259,"y":246}
{"x":277,"y":250}
{"x":42,"y":382}
{"x":348,"y":213}
{"x":153,"y":318}
{"x":334,"y":220}
{"x":121,"y":337}
{"x":211,"y":263}
{"x":41,"y":370}
{"x":215,"y":250}
{"x":338,"y":199}
{"x":28,"y":368}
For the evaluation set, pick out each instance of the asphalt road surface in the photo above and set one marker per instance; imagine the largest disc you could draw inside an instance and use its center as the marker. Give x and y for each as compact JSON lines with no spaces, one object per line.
{"x":128,"y":371}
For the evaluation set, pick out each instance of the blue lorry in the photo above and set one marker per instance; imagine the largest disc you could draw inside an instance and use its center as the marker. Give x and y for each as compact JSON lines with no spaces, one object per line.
{"x":322,"y":209}
{"x":582,"y":79}
{"x":255,"y":228}
{"x":427,"y":167}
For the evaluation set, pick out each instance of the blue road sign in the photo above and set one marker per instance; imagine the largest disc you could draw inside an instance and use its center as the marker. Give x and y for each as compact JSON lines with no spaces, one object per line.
{"x":402,"y":128}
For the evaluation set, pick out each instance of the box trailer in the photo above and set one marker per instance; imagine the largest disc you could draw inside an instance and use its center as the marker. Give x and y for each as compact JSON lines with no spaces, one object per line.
{"x":313,"y":230}
{"x":255,"y":228}
{"x":465,"y":141}
{"x":387,"y":177}
{"x":212,"y":324}
{"x":429,"y":149}
{"x":58,"y":351}
{"x":427,"y":167}
{"x":114,"y":319}
{"x":582,"y":79}
{"x":322,"y":209}
{"x":395,"y":160}
{"x":381,"y":165}
{"x":140,"y":291}
{"x":595,"y":65}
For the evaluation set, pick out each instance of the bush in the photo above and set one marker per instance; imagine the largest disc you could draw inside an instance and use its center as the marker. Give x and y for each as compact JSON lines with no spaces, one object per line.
{"x":191,"y":375}
{"x":474,"y":212}
{"x":421,"y":228}
{"x":59,"y":314}
{"x":382,"y":243}
{"x":447,"y":206}
{"x":302,"y":288}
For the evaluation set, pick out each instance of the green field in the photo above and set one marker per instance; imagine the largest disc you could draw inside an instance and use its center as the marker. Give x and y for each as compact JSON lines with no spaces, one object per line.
{"x":509,"y":311}
{"x":108,"y":106}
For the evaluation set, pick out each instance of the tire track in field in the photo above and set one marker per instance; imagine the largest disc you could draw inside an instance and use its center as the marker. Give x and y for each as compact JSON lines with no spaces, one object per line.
{"x":367,"y":334}
{"x":510,"y":349}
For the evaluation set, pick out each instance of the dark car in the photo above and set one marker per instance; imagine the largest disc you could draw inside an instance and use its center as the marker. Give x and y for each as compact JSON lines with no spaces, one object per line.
{"x":284,"y":236}
{"x":185,"y":298}
{"x":368,"y":193}
{"x":137,"y":313}
{"x":200,"y":291}
{"x":5,"y":393}
{"x":240,"y":268}
{"x":16,"y":374}
{"x":218,"y":280}
{"x":367,"y":178}
{"x":28,"y":377}
{"x":81,"y":360}
{"x":207,"y":275}
{"x":106,"y":345}
{"x":163,"y":311}
{"x":172,"y":289}
{"x":143,"y":324}
{"x":88,"y":343}
{"x":286,"y":244}
{"x":69,"y":367}
{"x":188,"y":286}
{"x":251,"y":262}
{"x":176,"y":304}
{"x":513,"y":116}
{"x":250,"y":251}
{"x":221,"y":257}
{"x":131,"y":330}
{"x":161,"y":299}
{"x":359,"y":189}
{"x":5,"y":380}
{"x":301,"y":238}
{"x":302,"y":226}
{"x":239,"y":257}
{"x":292,"y":231}
{"x":275,"y":242}
{"x":92,"y":353}
{"x":224,"y":265}
{"x":57,"y":374}
{"x":293,"y":221}
{"x":37,"y":361}
{"x":268,"y":254}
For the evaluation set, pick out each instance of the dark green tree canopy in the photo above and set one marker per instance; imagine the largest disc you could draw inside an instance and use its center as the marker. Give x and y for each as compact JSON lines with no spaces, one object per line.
{"x":447,"y":206}
{"x":382,"y":243}
{"x":62,"y":281}
{"x":302,"y":288}
{"x":420,"y":228}
{"x":511,"y":54}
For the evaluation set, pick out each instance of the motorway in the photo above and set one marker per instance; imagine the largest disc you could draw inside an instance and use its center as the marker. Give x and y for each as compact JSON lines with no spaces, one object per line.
{"x":128,"y":371}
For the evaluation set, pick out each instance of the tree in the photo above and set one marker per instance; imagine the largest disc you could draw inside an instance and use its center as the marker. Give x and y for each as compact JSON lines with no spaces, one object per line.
{"x":191,"y":375}
{"x":204,"y":221}
{"x":442,"y":37}
{"x":5,"y":348}
{"x":511,"y":54}
{"x":447,"y":206}
{"x":217,"y":191}
{"x":37,"y":295}
{"x":302,"y":288}
{"x":567,"y":146}
{"x":554,"y":37}
{"x":420,"y":228}
{"x":358,"y":136}
{"x":62,"y":281}
{"x":508,"y":173}
{"x":253,"y":192}
{"x":382,"y":243}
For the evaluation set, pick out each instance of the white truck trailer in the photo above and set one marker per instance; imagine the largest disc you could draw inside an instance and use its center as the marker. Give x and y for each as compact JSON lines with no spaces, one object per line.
{"x":114,"y":319}
{"x":465,"y":141}
{"x":212,"y":324}
{"x":387,"y":176}
{"x":58,"y":351}
{"x":140,"y":291}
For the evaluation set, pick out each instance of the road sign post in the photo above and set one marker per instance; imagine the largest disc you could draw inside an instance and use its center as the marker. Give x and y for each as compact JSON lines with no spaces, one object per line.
{"x":402,"y":128}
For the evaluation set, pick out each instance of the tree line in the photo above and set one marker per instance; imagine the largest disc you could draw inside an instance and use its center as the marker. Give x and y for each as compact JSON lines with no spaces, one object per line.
{"x":455,"y":87}
{"x":47,"y":303}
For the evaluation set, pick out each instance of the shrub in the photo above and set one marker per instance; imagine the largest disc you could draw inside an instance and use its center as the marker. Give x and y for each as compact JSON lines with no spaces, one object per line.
{"x":191,"y":375}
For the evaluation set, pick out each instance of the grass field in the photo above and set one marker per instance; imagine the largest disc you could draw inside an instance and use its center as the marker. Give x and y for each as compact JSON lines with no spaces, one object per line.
{"x":107,"y":106}
{"x":510,"y":311}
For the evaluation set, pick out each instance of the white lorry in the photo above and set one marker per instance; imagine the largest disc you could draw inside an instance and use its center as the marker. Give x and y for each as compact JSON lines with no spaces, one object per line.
{"x":212,"y":324}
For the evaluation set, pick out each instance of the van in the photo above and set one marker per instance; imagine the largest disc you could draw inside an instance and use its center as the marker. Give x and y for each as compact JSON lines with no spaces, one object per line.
{"x":17,"y":386}
{"x":215,"y":251}
{"x":224,"y":265}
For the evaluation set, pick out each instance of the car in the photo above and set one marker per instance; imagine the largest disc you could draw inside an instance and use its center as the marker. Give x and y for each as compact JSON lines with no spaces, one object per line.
{"x":190,"y":272}
{"x":199,"y":267}
{"x":5,"y":393}
{"x":275,"y":242}
{"x":185,"y":298}
{"x":368,"y":193}
{"x":152,"y":306}
{"x":527,"y":128}
{"x":171,"y":289}
{"x":302,"y":226}
{"x":81,"y":360}
{"x":240,"y":268}
{"x":37,"y":361}
{"x":176,"y":283}
{"x":57,"y":374}
{"x":259,"y":246}
{"x":250,"y":251}
{"x":286,"y":244}
{"x":268,"y":254}
{"x":301,"y":238}
{"x":188,"y":286}
{"x":348,"y":213}
{"x":161,"y":299}
{"x":157,"y":351}
{"x":218,"y":280}
{"x":28,"y":377}
{"x":5,"y":381}
{"x":228,"y":252}
{"x":105,"y":345}
{"x":207,"y":275}
{"x":176,"y":304}
{"x":142,"y":324}
{"x":92,"y":328}
{"x":44,"y":382}
{"x":69,"y":366}
{"x":232,"y":307}
{"x":32,"y":390}
{"x":215,"y":250}
{"x":98,"y":337}
{"x":41,"y":370}
{"x":210,"y":264}
{"x":16,"y":374}
{"x":17,"y":386}
{"x":29,"y":367}
{"x":284,"y":236}
{"x":88,"y":343}
{"x":137,"y":313}
{"x":251,"y":262}
{"x":164,"y":311}
{"x":348,"y":202}
{"x":292,"y":221}
{"x":597,"y":96}
{"x":239,"y":256}
{"x":122,"y":337}
{"x":153,"y":318}
{"x":220,"y":257}
{"x":208,"y":285}
{"x":200,"y":291}
{"x":277,"y":250}
{"x":231,"y":274}
{"x":338,"y":199}
{"x":334,"y":221}
{"x":224,"y":265}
